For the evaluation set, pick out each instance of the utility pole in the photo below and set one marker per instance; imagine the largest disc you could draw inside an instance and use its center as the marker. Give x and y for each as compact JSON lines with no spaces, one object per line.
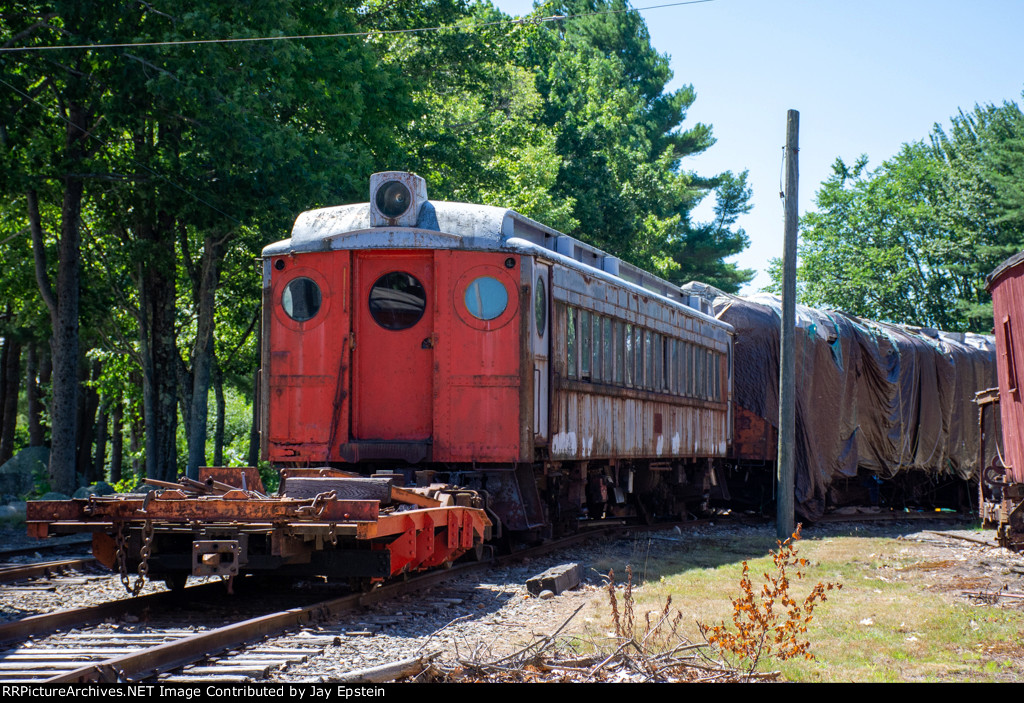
{"x":784,"y":514}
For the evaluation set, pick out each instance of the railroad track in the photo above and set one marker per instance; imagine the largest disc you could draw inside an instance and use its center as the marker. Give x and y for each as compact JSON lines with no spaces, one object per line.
{"x":234,"y":652}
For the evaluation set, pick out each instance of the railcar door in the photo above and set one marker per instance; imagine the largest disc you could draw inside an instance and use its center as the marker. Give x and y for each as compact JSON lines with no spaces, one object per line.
{"x":539,"y":345}
{"x":393,"y":358}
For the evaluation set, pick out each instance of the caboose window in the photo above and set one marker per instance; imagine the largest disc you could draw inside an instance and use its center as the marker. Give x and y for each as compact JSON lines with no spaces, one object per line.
{"x":301,"y":299}
{"x":486,"y":298}
{"x":397,"y":300}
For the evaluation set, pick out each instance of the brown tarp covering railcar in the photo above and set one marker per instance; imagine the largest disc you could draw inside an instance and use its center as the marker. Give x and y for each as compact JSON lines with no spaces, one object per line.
{"x":874,"y":397}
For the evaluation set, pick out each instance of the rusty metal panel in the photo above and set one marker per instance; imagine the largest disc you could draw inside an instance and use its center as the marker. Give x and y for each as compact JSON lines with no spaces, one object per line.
{"x":754,"y":438}
{"x":307,"y":360}
{"x":204,"y":509}
{"x":392,"y":382}
{"x":479,"y":388}
{"x":606,"y":422}
{"x":246,"y":477}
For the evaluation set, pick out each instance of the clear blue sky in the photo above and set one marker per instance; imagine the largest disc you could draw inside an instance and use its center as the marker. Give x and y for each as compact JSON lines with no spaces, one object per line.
{"x":866,"y":76}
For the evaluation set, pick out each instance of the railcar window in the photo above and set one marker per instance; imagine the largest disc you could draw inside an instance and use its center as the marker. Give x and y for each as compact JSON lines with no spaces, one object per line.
{"x":648,"y":359}
{"x":540,"y":306}
{"x":619,"y":351}
{"x":659,"y":362}
{"x":486,"y":298}
{"x":301,"y":299}
{"x":397,"y":300}
{"x":698,"y":373}
{"x":683,"y":371}
{"x":606,"y":357}
{"x":718,"y":377}
{"x":711,"y":373}
{"x":669,"y":376}
{"x":638,"y":347}
{"x":630,"y":355}
{"x":596,"y":366}
{"x":585,"y":344}
{"x":570,"y":333}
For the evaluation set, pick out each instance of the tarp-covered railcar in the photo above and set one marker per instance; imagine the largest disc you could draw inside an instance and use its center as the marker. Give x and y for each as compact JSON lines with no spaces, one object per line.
{"x":874,"y":400}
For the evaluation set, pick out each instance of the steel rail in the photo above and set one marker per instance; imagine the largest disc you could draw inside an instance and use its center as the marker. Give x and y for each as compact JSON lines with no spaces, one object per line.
{"x":17,"y":572}
{"x":20,"y":630}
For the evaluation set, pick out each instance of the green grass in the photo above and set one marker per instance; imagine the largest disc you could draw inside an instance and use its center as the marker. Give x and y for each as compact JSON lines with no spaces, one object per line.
{"x":890,"y":622}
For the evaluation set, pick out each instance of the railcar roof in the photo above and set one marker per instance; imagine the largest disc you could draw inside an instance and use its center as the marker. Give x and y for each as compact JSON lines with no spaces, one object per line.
{"x":449,"y":225}
{"x":1002,"y":268}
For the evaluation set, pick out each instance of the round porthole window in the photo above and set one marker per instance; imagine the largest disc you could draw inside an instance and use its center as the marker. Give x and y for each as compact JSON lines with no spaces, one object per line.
{"x":301,"y":299}
{"x":540,"y":306}
{"x":397,"y":300}
{"x":486,"y":298}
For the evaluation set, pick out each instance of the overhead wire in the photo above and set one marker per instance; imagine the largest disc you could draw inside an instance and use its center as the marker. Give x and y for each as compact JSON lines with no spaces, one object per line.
{"x":337,"y":35}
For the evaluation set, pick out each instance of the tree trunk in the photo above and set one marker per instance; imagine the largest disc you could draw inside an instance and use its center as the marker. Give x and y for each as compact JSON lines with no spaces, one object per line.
{"x":116,"y":441}
{"x":202,"y":358}
{"x":99,"y":464}
{"x":133,"y":446}
{"x":3,"y":365}
{"x":63,"y":305}
{"x":12,"y":385}
{"x":160,"y":360}
{"x":218,"y":431}
{"x":253,"y":456}
{"x":36,"y":433}
{"x":88,"y":402}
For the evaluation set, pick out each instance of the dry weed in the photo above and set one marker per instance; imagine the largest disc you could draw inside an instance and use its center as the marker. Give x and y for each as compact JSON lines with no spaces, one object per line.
{"x":770,"y":622}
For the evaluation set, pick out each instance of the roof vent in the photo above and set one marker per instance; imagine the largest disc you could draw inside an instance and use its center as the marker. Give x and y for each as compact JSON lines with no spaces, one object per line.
{"x":396,"y":198}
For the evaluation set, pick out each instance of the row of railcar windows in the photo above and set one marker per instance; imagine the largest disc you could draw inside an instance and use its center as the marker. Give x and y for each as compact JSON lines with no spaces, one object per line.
{"x":602,"y":349}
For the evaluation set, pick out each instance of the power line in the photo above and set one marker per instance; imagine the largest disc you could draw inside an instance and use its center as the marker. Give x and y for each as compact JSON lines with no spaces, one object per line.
{"x":137,"y":163}
{"x":337,"y":35}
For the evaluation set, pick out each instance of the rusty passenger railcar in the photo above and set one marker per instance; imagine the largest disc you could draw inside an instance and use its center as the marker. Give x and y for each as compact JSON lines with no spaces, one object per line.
{"x":470,"y":344}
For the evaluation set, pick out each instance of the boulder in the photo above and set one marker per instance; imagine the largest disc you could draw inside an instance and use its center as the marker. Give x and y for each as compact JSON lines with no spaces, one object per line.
{"x":18,"y":474}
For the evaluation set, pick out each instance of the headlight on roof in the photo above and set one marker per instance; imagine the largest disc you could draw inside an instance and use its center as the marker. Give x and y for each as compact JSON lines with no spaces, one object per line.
{"x":396,"y":198}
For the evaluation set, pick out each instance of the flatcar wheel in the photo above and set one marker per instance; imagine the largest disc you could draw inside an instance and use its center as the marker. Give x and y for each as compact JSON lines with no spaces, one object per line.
{"x":360,"y":585}
{"x":176,"y":581}
{"x":478,"y":551}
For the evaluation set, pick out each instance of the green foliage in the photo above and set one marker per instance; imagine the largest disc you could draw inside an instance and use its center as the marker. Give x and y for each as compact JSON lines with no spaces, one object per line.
{"x":200,"y":155}
{"x":622,"y":145}
{"x":913,"y":240}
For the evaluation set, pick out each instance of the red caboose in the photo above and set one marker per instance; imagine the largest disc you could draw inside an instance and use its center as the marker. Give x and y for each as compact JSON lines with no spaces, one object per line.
{"x":1003,"y":485}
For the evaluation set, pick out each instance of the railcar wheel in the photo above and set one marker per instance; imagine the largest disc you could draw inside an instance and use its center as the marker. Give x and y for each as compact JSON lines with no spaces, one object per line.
{"x":478,"y":551}
{"x":176,"y":582}
{"x":360,"y":585}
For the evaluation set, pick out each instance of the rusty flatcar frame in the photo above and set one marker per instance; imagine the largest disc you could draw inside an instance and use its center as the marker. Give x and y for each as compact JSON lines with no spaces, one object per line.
{"x":414,"y":532}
